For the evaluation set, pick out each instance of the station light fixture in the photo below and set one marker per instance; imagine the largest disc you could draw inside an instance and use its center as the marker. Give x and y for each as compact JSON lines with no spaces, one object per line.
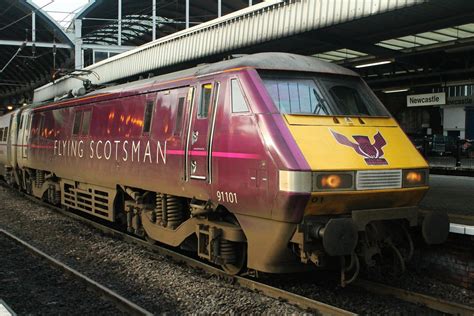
{"x":396,"y":90}
{"x":375,"y":63}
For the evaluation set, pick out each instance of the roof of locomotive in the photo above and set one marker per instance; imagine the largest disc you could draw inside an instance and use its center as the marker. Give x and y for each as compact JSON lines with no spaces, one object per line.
{"x":262,"y":61}
{"x":278,"y":61}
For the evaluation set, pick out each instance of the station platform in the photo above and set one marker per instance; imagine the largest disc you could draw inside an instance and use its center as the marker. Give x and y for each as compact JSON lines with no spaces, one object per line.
{"x":454,"y":195}
{"x":449,"y":165}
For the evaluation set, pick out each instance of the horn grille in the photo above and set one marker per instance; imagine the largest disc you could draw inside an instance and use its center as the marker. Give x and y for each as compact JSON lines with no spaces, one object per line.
{"x":378,"y":179}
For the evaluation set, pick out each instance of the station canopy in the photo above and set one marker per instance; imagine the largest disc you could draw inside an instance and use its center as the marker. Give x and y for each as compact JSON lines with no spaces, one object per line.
{"x":100,"y":23}
{"x":410,"y":42}
{"x":32,"y":45}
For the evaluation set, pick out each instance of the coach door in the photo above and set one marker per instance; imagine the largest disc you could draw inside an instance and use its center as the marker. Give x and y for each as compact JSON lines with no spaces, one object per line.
{"x":25,"y":125}
{"x":200,"y":133}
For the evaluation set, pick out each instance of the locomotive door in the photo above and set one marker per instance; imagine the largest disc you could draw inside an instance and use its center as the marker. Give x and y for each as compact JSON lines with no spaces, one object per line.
{"x":199,"y":142}
{"x":26,"y":119}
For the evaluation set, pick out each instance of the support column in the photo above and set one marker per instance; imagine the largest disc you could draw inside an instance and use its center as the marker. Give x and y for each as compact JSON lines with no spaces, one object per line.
{"x":33,"y":26}
{"x":250,"y":3}
{"x":219,"y":8}
{"x":78,"y":61}
{"x":154,"y":19}
{"x":187,"y":13}
{"x":119,"y":24}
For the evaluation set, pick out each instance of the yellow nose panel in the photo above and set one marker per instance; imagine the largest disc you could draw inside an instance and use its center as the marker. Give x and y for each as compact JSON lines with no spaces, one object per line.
{"x":351,"y":144}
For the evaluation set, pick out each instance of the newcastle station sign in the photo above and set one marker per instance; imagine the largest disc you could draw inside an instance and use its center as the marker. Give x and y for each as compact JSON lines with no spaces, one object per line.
{"x":439,"y":99}
{"x":428,"y":99}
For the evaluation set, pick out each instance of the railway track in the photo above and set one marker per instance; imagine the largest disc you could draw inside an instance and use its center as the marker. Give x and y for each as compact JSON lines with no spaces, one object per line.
{"x":119,"y":301}
{"x":430,"y":302}
{"x":270,"y":291}
{"x":250,"y":284}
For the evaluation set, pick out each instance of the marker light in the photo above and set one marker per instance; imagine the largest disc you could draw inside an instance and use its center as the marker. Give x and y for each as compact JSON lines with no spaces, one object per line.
{"x":415,"y":178}
{"x":333,"y":181}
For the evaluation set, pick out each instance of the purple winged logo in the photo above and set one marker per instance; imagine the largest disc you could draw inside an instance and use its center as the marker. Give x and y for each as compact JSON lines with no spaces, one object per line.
{"x":372,"y":153}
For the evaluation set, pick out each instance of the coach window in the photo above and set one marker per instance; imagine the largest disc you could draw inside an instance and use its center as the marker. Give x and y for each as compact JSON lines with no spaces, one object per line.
{"x":5,"y":134}
{"x":77,"y":123}
{"x":179,"y":117}
{"x":239,"y":104}
{"x":206,"y":93}
{"x":148,"y":116}
{"x":1,"y":134}
{"x":86,"y":122}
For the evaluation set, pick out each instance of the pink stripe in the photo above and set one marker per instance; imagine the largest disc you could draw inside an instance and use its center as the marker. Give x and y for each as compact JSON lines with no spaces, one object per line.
{"x":198,"y":153}
{"x":235,"y":155}
{"x":215,"y":154}
{"x":41,"y":146}
{"x":174,"y":152}
{"x":34,"y":146}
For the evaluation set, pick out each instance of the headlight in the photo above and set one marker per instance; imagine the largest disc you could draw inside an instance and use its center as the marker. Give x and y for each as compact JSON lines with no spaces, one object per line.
{"x":330,"y":181}
{"x":415,"y":178}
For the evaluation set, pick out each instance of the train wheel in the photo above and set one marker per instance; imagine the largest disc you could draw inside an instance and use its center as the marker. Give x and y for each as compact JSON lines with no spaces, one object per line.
{"x":236,"y":256}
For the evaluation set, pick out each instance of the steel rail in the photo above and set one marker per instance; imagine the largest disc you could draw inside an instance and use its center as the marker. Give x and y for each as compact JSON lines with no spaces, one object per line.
{"x":119,"y":301}
{"x":272,"y":292}
{"x":416,"y":298}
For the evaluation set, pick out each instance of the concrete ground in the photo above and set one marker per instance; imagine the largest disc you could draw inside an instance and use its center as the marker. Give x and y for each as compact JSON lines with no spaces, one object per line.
{"x":453,"y":194}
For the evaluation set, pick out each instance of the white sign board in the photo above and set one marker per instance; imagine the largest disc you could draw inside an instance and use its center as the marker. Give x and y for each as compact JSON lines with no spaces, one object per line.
{"x":426,"y":99}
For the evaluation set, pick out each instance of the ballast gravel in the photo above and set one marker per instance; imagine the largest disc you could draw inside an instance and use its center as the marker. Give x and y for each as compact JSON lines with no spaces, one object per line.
{"x":154,"y":282}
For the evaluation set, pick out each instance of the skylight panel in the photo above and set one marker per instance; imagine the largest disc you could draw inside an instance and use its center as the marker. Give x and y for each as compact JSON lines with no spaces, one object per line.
{"x":401,"y":43}
{"x":385,"y":45}
{"x":454,"y":33}
{"x":436,"y":37}
{"x":417,"y":40}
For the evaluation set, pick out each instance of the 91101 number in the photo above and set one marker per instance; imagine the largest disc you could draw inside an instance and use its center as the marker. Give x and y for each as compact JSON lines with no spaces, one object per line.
{"x":229,"y":197}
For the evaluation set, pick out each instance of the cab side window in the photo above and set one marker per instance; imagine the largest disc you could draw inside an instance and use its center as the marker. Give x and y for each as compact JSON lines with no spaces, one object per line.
{"x":86,"y":122}
{"x":205,"y":101}
{"x":77,"y":123}
{"x":179,"y":117}
{"x":239,"y":104}
{"x":82,"y":122}
{"x":148,"y":116}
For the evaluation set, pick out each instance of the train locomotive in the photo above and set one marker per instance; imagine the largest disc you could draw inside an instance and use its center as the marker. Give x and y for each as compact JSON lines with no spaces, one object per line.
{"x":272,"y":162}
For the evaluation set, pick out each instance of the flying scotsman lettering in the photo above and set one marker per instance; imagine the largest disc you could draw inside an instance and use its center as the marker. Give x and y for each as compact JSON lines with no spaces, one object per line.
{"x":136,"y":151}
